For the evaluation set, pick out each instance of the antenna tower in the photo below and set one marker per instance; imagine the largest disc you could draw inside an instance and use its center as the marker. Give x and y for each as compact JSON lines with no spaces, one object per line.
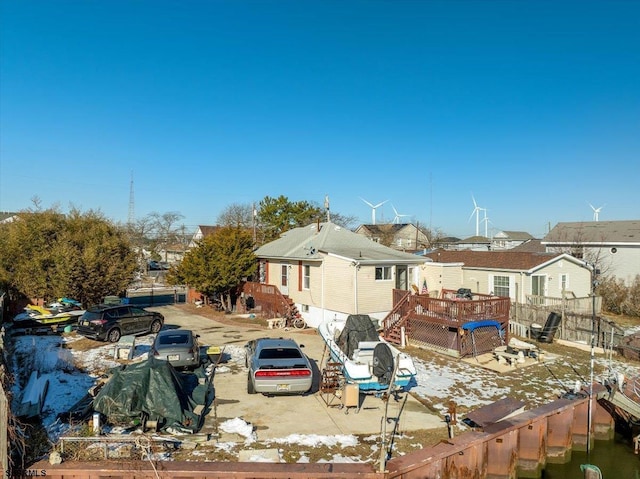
{"x":131,"y":218}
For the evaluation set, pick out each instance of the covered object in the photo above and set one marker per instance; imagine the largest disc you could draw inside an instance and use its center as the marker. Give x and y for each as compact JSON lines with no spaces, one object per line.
{"x":153,"y":390}
{"x":358,"y":327}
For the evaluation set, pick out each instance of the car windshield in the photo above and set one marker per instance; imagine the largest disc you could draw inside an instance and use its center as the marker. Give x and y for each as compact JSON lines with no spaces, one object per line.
{"x":280,"y":353}
{"x":174,"y":339}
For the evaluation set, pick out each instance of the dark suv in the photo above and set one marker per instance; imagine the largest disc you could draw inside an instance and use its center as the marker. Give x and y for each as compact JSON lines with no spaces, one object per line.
{"x":110,"y":322}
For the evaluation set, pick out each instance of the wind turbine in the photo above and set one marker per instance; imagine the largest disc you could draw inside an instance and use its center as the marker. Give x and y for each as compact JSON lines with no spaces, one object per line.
{"x":596,"y":211}
{"x":373,"y":209}
{"x":476,"y":211}
{"x":486,"y":221}
{"x":397,"y":217}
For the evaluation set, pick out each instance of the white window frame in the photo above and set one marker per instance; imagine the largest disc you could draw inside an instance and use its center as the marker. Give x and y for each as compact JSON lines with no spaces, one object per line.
{"x":511,"y":286}
{"x":386,"y":273}
{"x":306,"y":276}
{"x":564,"y":282}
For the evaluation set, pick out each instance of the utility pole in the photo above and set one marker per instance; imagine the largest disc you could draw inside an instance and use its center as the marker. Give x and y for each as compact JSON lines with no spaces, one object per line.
{"x":254,"y":213}
{"x":326,"y":207}
{"x":594,"y":283}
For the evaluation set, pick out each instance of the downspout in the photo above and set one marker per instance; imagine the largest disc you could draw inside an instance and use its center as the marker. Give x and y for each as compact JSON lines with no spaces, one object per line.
{"x":322,"y":292}
{"x":356,"y":267}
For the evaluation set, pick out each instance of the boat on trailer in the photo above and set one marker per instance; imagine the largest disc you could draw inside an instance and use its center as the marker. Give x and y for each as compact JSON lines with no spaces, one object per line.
{"x":367,"y":360}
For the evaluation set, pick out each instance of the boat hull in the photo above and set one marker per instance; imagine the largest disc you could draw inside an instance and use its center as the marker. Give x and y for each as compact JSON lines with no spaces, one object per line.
{"x":358,"y":368}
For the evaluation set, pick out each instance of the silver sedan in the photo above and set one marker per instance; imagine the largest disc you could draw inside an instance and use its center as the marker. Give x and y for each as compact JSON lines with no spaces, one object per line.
{"x":178,"y":346}
{"x":277,"y":366}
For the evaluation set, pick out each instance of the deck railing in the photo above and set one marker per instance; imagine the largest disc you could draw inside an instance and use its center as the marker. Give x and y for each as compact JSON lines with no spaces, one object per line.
{"x":436,"y":321}
{"x":269,"y":301}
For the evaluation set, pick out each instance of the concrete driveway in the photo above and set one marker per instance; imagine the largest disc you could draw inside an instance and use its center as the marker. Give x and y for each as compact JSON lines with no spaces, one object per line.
{"x":281,"y":416}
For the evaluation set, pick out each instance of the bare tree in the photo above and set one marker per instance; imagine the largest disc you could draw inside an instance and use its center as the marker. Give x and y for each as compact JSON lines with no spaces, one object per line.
{"x":165,"y":232}
{"x":237,"y":214}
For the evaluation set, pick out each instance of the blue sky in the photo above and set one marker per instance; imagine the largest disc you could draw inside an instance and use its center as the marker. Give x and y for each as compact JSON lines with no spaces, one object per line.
{"x":532,"y":108}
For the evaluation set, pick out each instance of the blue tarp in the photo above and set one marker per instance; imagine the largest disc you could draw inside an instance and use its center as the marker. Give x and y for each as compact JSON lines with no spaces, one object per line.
{"x":473,"y":325}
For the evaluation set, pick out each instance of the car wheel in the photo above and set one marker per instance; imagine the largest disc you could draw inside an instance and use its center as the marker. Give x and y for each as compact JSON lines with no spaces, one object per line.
{"x":156,"y":326}
{"x":113,"y":336}
{"x":250,"y":387}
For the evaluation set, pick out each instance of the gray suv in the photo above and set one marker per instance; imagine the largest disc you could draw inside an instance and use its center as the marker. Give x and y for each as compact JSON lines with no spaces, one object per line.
{"x":110,"y":322}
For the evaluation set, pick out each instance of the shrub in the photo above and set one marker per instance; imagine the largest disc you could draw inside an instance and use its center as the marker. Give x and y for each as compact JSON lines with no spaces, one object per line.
{"x":618,"y":298}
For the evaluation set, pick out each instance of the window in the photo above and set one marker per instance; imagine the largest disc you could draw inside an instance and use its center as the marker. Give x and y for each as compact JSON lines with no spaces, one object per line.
{"x":564,"y":282}
{"x":306,"y":276}
{"x":304,"y":308}
{"x":501,"y":286}
{"x":284,"y":274}
{"x":383,"y":273}
{"x":538,"y":285}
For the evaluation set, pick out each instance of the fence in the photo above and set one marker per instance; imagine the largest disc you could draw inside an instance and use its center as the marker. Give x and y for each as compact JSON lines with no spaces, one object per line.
{"x":581,"y":317}
{"x":157,"y":296}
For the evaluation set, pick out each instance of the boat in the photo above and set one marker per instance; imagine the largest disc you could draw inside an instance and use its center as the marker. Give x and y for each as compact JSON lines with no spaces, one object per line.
{"x":61,"y":312}
{"x":367,"y":359}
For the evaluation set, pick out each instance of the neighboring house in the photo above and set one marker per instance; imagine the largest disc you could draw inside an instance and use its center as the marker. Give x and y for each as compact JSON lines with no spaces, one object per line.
{"x":531,"y":246}
{"x":7,"y":217}
{"x":613,"y":246}
{"x":448,"y":242}
{"x":201,"y":232}
{"x":331,"y":272}
{"x":172,"y":253}
{"x":473,"y":243}
{"x":403,"y":237}
{"x":509,"y":239}
{"x":508,"y":273}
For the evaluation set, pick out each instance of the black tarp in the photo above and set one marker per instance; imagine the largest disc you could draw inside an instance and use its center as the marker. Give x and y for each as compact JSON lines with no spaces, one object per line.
{"x":358,"y":327}
{"x":154,"y":390}
{"x":383,"y":363}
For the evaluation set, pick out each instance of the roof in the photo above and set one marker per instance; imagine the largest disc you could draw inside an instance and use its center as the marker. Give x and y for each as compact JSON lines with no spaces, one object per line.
{"x":446,"y":240}
{"x":385,"y":228}
{"x":308,"y":242}
{"x":514,"y":235}
{"x":475,"y":240}
{"x":207,"y":230}
{"x":510,"y":259}
{"x":598,"y":232}
{"x":531,"y":246}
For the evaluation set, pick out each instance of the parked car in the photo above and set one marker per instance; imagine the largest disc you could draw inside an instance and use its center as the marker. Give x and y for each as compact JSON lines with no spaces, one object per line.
{"x":277,"y":366}
{"x":108,"y":322}
{"x":178,"y":346}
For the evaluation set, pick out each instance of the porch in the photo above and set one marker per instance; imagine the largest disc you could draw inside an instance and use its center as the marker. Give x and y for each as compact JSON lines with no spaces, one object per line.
{"x":455,"y":323}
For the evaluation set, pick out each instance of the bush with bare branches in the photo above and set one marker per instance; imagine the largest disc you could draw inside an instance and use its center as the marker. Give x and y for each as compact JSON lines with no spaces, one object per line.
{"x":618,"y":298}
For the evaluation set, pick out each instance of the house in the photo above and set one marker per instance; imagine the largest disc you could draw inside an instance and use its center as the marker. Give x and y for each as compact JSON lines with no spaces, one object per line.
{"x":613,"y":246}
{"x":330,"y":272}
{"x":201,"y":232}
{"x":530,"y":246}
{"x":7,"y":217}
{"x":403,"y":237}
{"x":447,"y":242}
{"x":473,"y":243}
{"x":509,"y":239}
{"x":513,"y":274}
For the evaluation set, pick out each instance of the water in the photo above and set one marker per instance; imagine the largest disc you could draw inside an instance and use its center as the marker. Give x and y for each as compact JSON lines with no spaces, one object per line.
{"x":615,"y":459}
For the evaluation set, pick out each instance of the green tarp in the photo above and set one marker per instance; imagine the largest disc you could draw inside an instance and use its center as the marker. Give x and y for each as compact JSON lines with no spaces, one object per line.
{"x":153,"y":390}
